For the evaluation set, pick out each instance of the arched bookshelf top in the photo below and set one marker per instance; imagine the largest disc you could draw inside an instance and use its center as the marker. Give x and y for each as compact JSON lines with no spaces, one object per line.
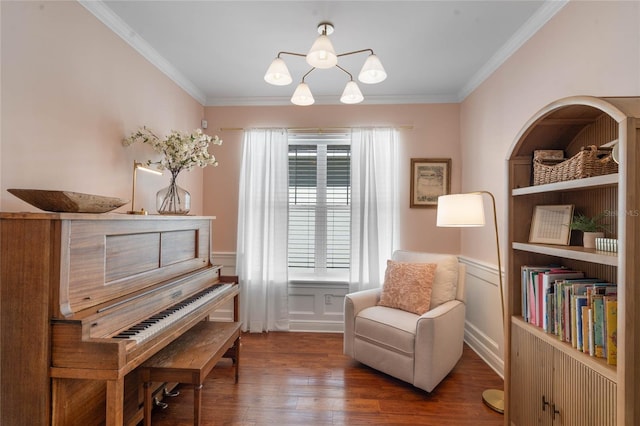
{"x":560,"y":124}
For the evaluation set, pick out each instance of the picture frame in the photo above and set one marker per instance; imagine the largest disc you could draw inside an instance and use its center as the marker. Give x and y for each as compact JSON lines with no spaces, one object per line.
{"x":550,"y":224}
{"x":430,"y":178}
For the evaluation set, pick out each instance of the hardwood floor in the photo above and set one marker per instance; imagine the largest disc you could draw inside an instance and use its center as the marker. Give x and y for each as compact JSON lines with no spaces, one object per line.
{"x":304,"y":379}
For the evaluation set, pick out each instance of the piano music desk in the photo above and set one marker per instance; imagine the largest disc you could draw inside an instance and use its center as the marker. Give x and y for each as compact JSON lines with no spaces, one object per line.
{"x":189,"y":360}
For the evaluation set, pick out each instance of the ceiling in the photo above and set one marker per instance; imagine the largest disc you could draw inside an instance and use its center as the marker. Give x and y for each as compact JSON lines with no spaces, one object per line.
{"x":218,"y":51}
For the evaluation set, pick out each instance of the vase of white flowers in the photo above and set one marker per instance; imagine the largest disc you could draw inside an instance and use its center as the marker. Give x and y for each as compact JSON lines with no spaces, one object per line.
{"x":173,"y":199}
{"x":181,"y":151}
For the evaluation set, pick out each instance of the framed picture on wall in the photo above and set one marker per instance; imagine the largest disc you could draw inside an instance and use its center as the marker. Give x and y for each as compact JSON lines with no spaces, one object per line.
{"x":430,"y":178}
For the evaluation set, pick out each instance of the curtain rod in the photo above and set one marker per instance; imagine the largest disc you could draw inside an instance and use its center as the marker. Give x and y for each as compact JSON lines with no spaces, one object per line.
{"x":316,"y":129}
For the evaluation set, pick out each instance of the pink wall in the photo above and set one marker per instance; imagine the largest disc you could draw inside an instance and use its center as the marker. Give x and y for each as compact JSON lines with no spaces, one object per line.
{"x":435,"y":134}
{"x":71,"y":89}
{"x":588,"y":48}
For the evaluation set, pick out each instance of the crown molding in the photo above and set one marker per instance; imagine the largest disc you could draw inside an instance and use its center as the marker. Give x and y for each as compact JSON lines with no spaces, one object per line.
{"x":524,"y":33}
{"x":118,"y":26}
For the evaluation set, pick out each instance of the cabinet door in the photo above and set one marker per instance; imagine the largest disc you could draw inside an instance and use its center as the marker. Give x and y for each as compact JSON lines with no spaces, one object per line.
{"x":583,"y":396}
{"x":531,"y":379}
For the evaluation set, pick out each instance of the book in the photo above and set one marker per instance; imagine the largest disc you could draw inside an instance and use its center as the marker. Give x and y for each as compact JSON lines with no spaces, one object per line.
{"x":591,"y":349}
{"x":580,"y":301}
{"x":611,"y":315}
{"x":597,"y":308}
{"x":585,"y":327}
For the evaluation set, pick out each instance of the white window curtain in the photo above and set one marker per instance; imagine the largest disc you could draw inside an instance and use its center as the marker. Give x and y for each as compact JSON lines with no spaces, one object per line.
{"x":261,"y":262}
{"x":374,"y":210}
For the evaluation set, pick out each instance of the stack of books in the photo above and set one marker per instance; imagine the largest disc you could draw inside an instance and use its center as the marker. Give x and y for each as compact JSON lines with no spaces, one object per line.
{"x":580,"y":311}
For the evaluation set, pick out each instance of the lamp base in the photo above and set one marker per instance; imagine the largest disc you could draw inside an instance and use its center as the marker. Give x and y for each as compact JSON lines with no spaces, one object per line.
{"x":494,"y":399}
{"x":141,"y":211}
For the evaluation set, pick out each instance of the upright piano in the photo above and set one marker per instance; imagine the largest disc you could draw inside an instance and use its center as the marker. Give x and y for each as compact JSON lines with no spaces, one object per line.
{"x":85,"y":299}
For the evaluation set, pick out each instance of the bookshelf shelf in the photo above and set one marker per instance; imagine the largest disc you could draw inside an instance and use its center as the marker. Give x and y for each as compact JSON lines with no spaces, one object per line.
{"x":571,"y":185}
{"x":584,"y":389}
{"x":570,"y":252}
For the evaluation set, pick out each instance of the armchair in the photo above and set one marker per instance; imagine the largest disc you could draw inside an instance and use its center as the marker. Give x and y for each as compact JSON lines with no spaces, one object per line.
{"x":418,"y":349}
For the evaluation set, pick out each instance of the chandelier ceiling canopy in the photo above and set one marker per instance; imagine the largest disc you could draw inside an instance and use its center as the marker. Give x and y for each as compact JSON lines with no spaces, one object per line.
{"x":322,"y":55}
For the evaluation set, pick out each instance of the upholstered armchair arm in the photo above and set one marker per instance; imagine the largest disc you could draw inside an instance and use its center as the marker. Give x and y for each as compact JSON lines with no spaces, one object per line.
{"x":439,"y":340}
{"x":354,"y":303}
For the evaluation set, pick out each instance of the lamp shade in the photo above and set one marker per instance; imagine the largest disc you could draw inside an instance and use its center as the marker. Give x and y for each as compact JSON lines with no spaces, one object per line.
{"x":372,"y":71}
{"x":322,"y":54}
{"x":458,"y":210}
{"x":302,"y":96}
{"x":278,"y":73}
{"x":351,"y":94}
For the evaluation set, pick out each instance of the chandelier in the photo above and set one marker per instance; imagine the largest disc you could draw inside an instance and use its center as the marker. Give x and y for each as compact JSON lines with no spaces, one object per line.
{"x":322,"y":55}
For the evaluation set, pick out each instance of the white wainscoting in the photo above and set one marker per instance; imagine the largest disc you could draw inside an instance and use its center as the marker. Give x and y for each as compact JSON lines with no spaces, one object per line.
{"x":483,"y":330}
{"x":317,"y":306}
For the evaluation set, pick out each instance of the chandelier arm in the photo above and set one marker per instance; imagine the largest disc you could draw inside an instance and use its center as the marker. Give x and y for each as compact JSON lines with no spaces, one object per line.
{"x":355,"y":51}
{"x":291,"y":53}
{"x":350,"y":76}
{"x":308,"y":72}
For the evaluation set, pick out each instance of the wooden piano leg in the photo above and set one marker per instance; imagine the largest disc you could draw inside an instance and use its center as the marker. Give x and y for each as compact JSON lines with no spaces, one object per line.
{"x":148,"y":405}
{"x":115,"y":401}
{"x":197,"y":406}
{"x":236,"y":359}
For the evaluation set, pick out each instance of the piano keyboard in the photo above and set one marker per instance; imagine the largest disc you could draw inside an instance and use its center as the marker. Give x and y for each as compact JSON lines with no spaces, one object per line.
{"x":153,"y":325}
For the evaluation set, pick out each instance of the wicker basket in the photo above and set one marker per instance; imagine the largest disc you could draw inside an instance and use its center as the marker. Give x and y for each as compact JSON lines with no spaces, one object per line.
{"x":590,"y":161}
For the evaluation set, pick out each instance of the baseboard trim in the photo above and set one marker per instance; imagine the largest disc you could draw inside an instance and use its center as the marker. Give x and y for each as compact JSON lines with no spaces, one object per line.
{"x":486,"y":348}
{"x":317,"y":326}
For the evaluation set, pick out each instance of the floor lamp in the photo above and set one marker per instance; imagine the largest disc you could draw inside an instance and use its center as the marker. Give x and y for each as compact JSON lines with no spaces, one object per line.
{"x":466,"y":210}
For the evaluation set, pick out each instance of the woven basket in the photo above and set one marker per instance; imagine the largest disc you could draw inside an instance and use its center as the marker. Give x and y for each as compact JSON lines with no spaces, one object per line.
{"x":591,"y":161}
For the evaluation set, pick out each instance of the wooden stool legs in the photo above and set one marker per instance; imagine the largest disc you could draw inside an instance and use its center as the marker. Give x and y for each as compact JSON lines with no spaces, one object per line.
{"x":189,"y":360}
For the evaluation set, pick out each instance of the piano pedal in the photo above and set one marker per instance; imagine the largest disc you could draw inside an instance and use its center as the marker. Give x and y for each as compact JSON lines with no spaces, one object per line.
{"x":171,"y":394}
{"x":159,"y":403}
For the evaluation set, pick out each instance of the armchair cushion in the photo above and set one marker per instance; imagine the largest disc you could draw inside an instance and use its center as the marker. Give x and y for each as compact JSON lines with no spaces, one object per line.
{"x":407,"y":286}
{"x":445,"y":282}
{"x":393,"y":329}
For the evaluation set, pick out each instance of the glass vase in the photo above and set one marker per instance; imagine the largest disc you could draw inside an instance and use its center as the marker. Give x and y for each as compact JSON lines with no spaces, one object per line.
{"x":173,"y":199}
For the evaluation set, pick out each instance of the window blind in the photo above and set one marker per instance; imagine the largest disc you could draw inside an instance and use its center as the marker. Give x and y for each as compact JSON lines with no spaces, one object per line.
{"x":319,"y":201}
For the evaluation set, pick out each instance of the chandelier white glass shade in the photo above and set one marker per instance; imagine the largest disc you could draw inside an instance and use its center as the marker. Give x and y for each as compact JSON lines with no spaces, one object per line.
{"x":302,"y":96}
{"x":351,"y":94}
{"x":278,"y":73}
{"x":323,"y":56}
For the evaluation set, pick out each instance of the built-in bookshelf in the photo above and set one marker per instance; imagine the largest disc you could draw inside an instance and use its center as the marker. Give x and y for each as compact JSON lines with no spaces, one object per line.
{"x":547,"y":381}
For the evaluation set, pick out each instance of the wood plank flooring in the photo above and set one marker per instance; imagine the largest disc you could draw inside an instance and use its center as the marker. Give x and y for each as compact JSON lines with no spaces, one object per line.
{"x":304,"y":379}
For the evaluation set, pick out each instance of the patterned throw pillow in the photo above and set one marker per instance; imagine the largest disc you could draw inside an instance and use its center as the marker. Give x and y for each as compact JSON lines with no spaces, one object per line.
{"x":407,"y":286}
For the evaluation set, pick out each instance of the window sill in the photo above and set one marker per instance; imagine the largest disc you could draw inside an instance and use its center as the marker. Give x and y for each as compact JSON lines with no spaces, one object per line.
{"x":326,"y":278}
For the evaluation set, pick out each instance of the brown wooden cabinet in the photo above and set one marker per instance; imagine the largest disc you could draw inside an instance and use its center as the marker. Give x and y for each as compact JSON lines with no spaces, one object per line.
{"x":548,"y":382}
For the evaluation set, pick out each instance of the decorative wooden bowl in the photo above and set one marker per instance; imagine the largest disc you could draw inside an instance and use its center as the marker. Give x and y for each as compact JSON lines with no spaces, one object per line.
{"x":67,"y":201}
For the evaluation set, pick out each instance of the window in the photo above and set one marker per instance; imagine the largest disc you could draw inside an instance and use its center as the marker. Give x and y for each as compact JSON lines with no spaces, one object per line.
{"x":319,"y":205}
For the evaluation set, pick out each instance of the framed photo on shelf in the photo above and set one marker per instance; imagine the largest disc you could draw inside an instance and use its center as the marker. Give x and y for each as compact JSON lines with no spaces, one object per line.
{"x":430,"y":178}
{"x":550,"y":224}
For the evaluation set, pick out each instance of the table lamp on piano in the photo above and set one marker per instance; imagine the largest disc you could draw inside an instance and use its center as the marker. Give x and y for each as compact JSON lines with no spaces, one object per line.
{"x":140,"y":166}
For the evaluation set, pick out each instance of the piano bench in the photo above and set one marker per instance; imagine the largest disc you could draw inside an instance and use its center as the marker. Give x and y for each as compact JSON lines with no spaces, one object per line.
{"x":189,"y":359}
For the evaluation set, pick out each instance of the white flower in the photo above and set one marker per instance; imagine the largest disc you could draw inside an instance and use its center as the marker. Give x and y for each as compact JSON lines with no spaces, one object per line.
{"x":181,"y":151}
